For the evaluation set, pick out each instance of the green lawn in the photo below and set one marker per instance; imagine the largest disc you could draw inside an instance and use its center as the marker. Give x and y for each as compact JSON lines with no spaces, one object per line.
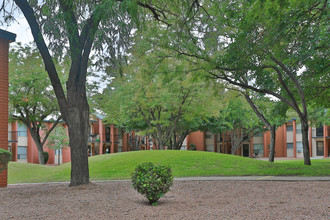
{"x":183,"y":163}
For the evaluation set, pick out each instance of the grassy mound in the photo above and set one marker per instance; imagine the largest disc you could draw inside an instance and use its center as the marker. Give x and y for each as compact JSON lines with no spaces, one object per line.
{"x":183,"y":163}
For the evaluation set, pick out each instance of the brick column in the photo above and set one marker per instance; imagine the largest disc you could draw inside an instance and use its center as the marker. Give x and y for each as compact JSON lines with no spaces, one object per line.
{"x":215,"y":142}
{"x":251,"y":145}
{"x":294,"y":139}
{"x":101,"y":135}
{"x":223,"y":144}
{"x":204,"y":145}
{"x":5,"y":39}
{"x":112,"y":138}
{"x":265,"y":143}
{"x":310,"y":141}
{"x":325,"y":144}
{"x":285,"y":148}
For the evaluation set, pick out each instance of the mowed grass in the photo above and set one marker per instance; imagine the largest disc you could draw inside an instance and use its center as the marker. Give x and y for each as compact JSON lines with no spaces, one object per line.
{"x":183,"y":163}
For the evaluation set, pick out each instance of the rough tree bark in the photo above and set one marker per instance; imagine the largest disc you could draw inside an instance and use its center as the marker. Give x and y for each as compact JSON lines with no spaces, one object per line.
{"x":34,"y":129}
{"x":272,"y":143}
{"x":74,"y":107}
{"x":271,"y":128}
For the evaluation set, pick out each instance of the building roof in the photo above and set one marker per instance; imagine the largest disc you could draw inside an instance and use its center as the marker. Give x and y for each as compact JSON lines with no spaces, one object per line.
{"x":7,"y":35}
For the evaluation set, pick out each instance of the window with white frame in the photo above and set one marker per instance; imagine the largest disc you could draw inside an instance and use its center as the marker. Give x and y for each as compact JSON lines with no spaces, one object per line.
{"x":298,"y":129}
{"x":21,"y":152}
{"x":289,"y":128}
{"x":258,"y":148}
{"x":299,"y":147}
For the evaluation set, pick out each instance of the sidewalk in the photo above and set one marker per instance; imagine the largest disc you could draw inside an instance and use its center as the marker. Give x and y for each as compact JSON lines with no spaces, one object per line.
{"x":256,"y":178}
{"x":213,"y":178}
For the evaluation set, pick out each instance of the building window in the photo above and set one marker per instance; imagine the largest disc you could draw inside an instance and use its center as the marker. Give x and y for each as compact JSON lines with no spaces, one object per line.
{"x":298,"y":129}
{"x":22,"y":130}
{"x":299,"y":147}
{"x":107,"y":134}
{"x":319,"y":148}
{"x":119,"y":134}
{"x":21,"y":152}
{"x":319,"y":131}
{"x":258,"y":148}
{"x":289,"y":128}
{"x":259,"y":134}
{"x":208,"y":136}
{"x":58,"y":152}
{"x":289,"y":146}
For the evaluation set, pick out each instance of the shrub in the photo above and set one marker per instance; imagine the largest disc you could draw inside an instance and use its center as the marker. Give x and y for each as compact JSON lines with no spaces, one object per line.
{"x":153,"y":181}
{"x":46,"y":156}
{"x":192,"y":146}
{"x":5,"y":157}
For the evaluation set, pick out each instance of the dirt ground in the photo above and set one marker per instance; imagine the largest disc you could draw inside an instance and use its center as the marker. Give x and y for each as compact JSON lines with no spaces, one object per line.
{"x":186,"y":200}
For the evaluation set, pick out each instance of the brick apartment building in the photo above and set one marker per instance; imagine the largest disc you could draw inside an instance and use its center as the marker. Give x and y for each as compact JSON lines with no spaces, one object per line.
{"x":288,"y":142}
{"x":106,"y":139}
{"x":5,"y":39}
{"x":103,"y":139}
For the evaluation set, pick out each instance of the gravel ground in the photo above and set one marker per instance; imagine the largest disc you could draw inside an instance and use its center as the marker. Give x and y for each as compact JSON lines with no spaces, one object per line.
{"x":186,"y":200}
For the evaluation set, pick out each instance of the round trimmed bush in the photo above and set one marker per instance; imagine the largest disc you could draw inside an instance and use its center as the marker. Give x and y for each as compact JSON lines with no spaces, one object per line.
{"x":153,"y":181}
{"x":5,"y":157}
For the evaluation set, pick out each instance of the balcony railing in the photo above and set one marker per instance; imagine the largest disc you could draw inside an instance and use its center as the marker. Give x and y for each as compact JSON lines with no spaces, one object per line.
{"x":94,"y":138}
{"x":12,"y":136}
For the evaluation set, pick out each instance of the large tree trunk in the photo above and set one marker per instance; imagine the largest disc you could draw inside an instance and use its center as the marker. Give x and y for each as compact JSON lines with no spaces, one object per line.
{"x":41,"y":156}
{"x":304,"y":131}
{"x":236,"y":137}
{"x":78,"y":126}
{"x":272,"y":143}
{"x":39,"y":145}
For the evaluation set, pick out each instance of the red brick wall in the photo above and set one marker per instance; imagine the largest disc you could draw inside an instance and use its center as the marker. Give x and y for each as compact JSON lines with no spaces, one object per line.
{"x":280,"y":145}
{"x":101,"y":135}
{"x":4,"y":47}
{"x":198,"y":138}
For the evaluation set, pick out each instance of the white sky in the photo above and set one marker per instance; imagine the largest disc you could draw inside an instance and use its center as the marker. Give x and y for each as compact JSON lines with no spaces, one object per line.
{"x":23,"y":35}
{"x":21,"y":29}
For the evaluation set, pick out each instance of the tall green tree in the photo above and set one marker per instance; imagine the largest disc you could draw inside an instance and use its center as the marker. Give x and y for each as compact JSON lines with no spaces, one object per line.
{"x":77,"y":28}
{"x":271,"y":47}
{"x":236,"y":118}
{"x":271,"y":113}
{"x":161,"y":98}
{"x":31,"y":97}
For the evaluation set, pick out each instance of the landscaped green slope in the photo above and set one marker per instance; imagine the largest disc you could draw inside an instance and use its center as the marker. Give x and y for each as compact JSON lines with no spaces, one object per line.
{"x":183,"y":163}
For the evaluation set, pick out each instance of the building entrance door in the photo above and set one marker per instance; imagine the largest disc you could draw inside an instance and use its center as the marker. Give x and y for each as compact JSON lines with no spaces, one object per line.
{"x":246,"y":150}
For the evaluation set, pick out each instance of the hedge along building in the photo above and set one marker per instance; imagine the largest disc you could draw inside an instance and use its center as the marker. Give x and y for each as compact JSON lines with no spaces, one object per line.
{"x":5,"y":38}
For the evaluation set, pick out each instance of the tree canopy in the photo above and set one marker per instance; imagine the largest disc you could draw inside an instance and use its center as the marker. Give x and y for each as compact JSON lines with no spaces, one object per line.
{"x":31,"y":97}
{"x":160,"y":97}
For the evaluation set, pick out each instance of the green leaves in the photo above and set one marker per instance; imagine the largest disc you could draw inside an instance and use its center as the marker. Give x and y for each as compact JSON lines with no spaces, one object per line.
{"x":5,"y":157}
{"x":153,"y":181}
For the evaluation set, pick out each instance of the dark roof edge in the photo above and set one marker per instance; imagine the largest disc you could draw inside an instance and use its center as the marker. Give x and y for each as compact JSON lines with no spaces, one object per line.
{"x":7,"y":35}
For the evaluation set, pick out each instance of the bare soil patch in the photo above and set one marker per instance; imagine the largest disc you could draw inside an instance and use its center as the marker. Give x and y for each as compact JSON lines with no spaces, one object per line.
{"x":186,"y":200}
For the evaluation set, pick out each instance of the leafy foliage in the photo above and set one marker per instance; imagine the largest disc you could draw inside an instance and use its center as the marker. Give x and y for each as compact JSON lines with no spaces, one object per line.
{"x":161,"y":97}
{"x":31,"y":98}
{"x":271,"y":47}
{"x":153,"y":181}
{"x":58,"y":139}
{"x":5,"y":157}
